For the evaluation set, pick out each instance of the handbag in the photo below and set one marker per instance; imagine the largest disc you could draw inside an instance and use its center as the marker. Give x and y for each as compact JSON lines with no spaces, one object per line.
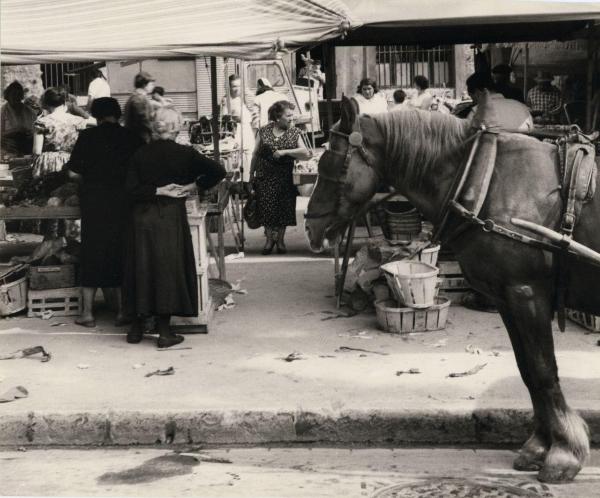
{"x":250,"y":211}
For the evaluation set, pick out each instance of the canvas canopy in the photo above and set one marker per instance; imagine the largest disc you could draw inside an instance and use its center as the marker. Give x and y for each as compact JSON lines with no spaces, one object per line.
{"x":34,"y":31}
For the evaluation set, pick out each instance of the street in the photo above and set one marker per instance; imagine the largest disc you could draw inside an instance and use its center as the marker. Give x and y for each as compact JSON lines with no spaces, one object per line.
{"x":279,"y":472}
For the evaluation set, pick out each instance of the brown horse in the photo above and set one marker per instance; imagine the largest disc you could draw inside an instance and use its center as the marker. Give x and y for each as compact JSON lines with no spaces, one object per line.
{"x":419,"y":154}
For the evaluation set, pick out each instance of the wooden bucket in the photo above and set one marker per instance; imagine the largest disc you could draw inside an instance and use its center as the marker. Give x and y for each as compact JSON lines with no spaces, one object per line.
{"x":428,"y":255}
{"x":405,"y":320}
{"x":412,"y":282}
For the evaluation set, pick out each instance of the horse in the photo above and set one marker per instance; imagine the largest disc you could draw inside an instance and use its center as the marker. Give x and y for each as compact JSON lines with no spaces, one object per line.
{"x":419,"y":154}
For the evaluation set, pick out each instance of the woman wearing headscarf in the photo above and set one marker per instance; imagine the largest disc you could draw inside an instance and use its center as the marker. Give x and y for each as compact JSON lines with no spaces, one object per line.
{"x":100,"y":159}
{"x":16,"y":121}
{"x":278,"y":144}
{"x":370,"y":100}
{"x":160,"y":269}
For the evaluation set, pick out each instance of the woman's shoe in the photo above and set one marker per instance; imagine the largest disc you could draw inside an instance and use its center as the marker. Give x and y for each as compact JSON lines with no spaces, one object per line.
{"x":270,"y":244}
{"x":135,"y":333}
{"x":169,"y":340}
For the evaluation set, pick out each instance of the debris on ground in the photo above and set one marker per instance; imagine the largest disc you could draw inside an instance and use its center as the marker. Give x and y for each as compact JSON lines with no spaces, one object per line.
{"x":203,"y":458}
{"x":438,"y":344}
{"x":361,"y":335}
{"x":293,"y":357}
{"x":410,"y":371}
{"x":166,"y":371}
{"x":345,"y":349}
{"x":234,"y":256}
{"x":13,"y":394}
{"x":228,"y":303}
{"x":83,"y":366}
{"x":237,"y":289}
{"x":472,"y":349}
{"x":174,"y":349}
{"x":135,"y":366}
{"x":22,"y":449}
{"x":473,"y":371}
{"x":340,"y":314}
{"x":22,"y":353}
{"x":327,"y":356}
{"x":58,"y":324}
{"x":46,"y":314}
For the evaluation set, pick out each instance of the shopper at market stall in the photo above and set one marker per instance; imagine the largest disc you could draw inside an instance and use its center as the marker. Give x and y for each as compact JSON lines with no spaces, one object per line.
{"x":158,"y":99}
{"x":493,"y":110}
{"x":370,"y":100}
{"x":138,"y":109}
{"x":71,"y":102}
{"x":234,"y":107}
{"x":423,"y":98}
{"x":501,"y":75}
{"x":100,"y":158}
{"x":60,"y":131}
{"x":98,"y":87}
{"x":16,"y":121}
{"x":160,"y":270}
{"x":277,"y":146}
{"x":544,"y":98}
{"x":400,"y":103}
{"x":265,"y":98}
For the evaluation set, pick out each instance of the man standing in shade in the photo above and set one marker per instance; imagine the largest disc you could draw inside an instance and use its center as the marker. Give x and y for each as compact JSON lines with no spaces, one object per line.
{"x":138,"y":110}
{"x":501,"y":76}
{"x":543,"y":98}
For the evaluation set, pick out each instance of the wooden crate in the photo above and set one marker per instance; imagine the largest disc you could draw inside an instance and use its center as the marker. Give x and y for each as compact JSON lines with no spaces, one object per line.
{"x":453,"y":284}
{"x":51,"y":277}
{"x":198,"y":324}
{"x":405,"y":320}
{"x":62,"y":302}
{"x":586,"y":320}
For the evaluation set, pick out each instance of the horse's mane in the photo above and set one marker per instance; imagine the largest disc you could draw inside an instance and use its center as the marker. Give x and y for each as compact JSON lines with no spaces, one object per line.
{"x":416,"y":140}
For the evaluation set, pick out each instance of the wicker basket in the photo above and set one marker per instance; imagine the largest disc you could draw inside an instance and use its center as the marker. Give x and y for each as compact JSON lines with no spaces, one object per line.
{"x":405,"y":320}
{"x":428,"y":255}
{"x":13,"y":296}
{"x":412,"y":282}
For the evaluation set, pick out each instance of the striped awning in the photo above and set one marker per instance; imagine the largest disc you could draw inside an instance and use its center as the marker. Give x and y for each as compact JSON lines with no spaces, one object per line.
{"x":34,"y":31}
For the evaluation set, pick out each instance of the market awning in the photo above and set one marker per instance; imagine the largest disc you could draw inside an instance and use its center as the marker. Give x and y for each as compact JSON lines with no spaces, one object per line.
{"x":34,"y":31}
{"x":467,"y":21}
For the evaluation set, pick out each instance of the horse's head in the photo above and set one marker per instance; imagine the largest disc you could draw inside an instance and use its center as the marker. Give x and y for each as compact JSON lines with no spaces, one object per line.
{"x":348,"y":177}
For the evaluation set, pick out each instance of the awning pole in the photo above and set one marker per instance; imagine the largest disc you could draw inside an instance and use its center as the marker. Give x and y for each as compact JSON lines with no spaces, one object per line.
{"x":215,"y":108}
{"x":525,"y":68}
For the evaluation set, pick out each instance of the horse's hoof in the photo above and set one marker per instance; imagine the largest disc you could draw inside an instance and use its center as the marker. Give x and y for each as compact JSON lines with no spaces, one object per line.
{"x":527,"y":463}
{"x":560,"y":467}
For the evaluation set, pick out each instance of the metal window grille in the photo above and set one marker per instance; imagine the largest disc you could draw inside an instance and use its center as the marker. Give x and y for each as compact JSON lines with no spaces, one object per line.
{"x":69,"y":73}
{"x":397,"y":65}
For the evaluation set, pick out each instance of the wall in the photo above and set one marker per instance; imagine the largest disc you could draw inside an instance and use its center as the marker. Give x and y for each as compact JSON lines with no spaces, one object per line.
{"x":351,"y":65}
{"x":464,"y":66}
{"x":28,"y":75}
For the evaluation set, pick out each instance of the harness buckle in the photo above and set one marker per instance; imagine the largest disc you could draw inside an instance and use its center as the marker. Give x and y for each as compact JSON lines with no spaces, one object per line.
{"x":488,"y":226}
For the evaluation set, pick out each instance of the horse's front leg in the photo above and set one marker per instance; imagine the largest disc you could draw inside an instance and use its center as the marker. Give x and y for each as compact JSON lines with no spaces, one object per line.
{"x":528,"y":310}
{"x":533,"y":453}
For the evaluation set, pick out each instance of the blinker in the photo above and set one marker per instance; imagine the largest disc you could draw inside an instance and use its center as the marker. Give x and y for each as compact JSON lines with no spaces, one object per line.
{"x":355,"y":139}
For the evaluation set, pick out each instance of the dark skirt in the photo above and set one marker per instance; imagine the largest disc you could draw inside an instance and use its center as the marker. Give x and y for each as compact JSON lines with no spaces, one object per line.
{"x":276,"y":196}
{"x":103,"y":218}
{"x":160,"y":269}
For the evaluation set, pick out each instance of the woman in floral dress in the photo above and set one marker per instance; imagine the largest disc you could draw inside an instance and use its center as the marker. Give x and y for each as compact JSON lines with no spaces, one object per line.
{"x":278,"y":144}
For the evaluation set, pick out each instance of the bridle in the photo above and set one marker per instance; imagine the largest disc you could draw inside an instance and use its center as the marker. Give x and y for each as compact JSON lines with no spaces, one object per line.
{"x":355,"y":143}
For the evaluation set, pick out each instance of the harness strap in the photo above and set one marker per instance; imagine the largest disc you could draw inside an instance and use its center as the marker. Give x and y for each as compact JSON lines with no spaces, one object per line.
{"x":455,"y":189}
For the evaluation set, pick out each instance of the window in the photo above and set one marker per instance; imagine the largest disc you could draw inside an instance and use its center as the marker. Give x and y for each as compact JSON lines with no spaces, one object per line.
{"x":397,"y":65}
{"x":270,"y":71}
{"x":70,"y":73}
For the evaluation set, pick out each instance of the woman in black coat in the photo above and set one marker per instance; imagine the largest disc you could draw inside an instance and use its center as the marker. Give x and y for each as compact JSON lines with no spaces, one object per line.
{"x":100,"y":158}
{"x":160,"y":269}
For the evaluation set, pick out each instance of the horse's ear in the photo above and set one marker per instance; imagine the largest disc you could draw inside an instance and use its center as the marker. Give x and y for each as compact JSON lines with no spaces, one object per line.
{"x":349,"y":112}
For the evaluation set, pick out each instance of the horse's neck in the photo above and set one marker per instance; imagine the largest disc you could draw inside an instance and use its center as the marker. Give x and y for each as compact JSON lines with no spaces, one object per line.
{"x":429,"y":197}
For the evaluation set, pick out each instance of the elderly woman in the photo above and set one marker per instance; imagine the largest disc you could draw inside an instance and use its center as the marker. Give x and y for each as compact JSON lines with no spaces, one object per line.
{"x":160,"y":270}
{"x":16,"y":121}
{"x":100,"y":158}
{"x":278,"y":144}
{"x":369,"y":99}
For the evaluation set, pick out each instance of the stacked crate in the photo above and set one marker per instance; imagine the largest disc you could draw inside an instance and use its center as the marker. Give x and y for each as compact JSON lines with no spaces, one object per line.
{"x":453,"y":284}
{"x":52,"y":289}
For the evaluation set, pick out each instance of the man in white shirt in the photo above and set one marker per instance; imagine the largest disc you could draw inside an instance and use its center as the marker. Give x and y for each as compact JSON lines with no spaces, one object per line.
{"x":98,"y":87}
{"x":265,"y":98}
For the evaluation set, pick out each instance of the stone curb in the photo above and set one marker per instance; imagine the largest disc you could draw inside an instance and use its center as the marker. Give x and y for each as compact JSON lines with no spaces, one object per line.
{"x":482,"y":427}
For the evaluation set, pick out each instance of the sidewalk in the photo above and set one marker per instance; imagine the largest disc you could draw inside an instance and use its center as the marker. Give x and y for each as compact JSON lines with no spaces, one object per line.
{"x":233,"y":387}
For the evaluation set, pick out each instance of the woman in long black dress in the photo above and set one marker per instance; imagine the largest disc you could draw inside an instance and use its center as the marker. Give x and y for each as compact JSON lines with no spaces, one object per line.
{"x":278,"y":144}
{"x":100,"y":157}
{"x":160,"y":269}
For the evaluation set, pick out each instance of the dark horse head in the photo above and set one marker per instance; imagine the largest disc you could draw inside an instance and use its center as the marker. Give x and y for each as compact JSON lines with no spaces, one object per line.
{"x":347,"y":178}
